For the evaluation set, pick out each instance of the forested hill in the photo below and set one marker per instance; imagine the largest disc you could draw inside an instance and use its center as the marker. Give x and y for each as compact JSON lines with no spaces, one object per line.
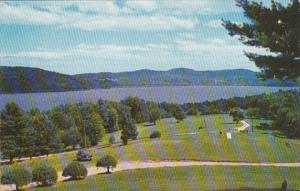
{"x":25,"y":79}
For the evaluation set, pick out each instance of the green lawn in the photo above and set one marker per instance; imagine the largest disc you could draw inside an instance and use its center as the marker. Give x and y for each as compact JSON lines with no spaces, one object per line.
{"x":188,"y":178}
{"x":185,"y":141}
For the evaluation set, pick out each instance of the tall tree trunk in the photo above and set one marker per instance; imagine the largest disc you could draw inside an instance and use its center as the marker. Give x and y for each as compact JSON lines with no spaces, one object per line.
{"x":107,"y":170}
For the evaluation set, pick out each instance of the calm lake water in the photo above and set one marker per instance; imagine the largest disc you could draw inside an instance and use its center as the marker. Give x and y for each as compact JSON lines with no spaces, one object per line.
{"x":178,"y":94}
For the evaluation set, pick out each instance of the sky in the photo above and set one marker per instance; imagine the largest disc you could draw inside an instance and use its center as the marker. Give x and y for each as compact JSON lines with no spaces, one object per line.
{"x":98,"y":36}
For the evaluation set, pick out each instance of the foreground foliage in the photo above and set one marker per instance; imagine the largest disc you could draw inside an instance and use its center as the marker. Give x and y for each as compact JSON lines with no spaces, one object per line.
{"x":108,"y":162}
{"x":16,"y":174}
{"x":44,"y":174}
{"x":276,"y":28}
{"x":75,"y":170}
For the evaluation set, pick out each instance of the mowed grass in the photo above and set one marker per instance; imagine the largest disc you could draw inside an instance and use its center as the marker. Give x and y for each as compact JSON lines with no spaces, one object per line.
{"x":187,"y":178}
{"x":185,"y":140}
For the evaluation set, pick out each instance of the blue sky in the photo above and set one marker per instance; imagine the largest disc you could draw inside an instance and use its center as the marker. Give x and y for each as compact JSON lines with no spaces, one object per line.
{"x":80,"y":37}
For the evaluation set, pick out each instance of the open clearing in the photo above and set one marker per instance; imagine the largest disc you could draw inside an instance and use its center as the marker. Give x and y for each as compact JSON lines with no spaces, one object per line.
{"x":185,"y":141}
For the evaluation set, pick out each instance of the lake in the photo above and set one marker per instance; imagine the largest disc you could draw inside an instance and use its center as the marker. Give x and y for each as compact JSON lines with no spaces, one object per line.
{"x":178,"y":94}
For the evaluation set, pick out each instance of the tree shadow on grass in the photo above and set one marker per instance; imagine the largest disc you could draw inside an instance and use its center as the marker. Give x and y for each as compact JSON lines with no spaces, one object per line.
{"x":280,"y":134}
{"x":73,"y":179}
{"x":229,"y":123}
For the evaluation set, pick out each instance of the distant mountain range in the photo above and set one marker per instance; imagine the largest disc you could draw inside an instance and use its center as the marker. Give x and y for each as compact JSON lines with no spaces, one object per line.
{"x":25,"y":79}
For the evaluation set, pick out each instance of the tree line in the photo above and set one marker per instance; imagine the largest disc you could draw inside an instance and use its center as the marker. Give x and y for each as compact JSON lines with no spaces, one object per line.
{"x":35,"y":132}
{"x":281,"y":107}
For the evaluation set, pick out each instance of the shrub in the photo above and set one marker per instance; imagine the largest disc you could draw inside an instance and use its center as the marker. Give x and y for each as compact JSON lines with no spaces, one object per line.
{"x":192,"y":111}
{"x":107,"y":162}
{"x":75,"y":170}
{"x":124,"y":139}
{"x":112,"y":139}
{"x":16,"y":174}
{"x":155,"y":134}
{"x":44,"y":174}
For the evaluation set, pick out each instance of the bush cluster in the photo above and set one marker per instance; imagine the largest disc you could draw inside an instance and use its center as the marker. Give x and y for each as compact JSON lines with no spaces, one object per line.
{"x":155,"y":134}
{"x":44,"y":174}
{"x":75,"y":170}
{"x":107,"y":162}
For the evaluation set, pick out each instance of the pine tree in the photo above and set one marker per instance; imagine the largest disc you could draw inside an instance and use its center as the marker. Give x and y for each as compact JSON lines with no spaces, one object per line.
{"x":127,"y":124}
{"x":12,"y":130}
{"x":276,"y":28}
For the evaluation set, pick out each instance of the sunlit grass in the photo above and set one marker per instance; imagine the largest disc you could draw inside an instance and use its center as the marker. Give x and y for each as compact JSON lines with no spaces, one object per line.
{"x":188,"y":178}
{"x":185,"y":140}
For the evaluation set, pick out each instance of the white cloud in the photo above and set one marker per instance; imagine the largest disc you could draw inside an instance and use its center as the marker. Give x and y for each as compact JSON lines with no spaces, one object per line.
{"x":112,"y":51}
{"x":144,"y":5}
{"x":212,"y":48}
{"x":215,"y":23}
{"x":36,"y":54}
{"x":107,"y":17}
{"x":211,"y":54}
{"x":25,"y":14}
{"x":142,"y":23}
{"x":217,"y":48}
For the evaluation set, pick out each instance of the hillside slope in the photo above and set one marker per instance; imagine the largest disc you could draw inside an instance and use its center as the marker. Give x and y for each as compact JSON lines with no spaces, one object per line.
{"x":25,"y":79}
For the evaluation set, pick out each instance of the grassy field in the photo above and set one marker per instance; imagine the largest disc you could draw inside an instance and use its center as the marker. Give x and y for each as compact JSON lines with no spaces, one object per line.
{"x":187,"y":178}
{"x":185,"y":140}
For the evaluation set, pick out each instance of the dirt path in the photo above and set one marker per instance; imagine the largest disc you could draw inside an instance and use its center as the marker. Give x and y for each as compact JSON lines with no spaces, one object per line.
{"x":131,"y":165}
{"x":156,"y":164}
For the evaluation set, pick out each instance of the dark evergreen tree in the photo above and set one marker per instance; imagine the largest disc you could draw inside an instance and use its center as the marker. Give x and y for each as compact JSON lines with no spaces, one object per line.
{"x":13,"y":125}
{"x":9,"y":147}
{"x":109,"y":116}
{"x":276,"y":28}
{"x":138,"y":109}
{"x":127,"y":124}
{"x":46,"y":133}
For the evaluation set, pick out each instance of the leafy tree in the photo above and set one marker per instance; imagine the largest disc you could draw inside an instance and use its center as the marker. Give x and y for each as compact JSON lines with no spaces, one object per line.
{"x":107,"y":162}
{"x":73,"y":110}
{"x":60,"y":119}
{"x":75,"y":170}
{"x":16,"y":174}
{"x":44,"y":174}
{"x":192,"y":110}
{"x":98,"y":130}
{"x":46,"y":133}
{"x":176,"y":111}
{"x":92,"y":123}
{"x":112,"y":140}
{"x":253,"y":112}
{"x":275,"y":28}
{"x":109,"y":115}
{"x":30,"y":148}
{"x":288,"y":121}
{"x":138,"y":109}
{"x":154,"y":112}
{"x":71,"y":137}
{"x":237,"y":114}
{"x":8,"y":148}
